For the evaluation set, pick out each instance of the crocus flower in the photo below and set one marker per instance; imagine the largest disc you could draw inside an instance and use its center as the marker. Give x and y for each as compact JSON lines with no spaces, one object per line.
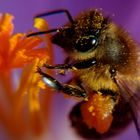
{"x":23,"y":106}
{"x":126,"y":14}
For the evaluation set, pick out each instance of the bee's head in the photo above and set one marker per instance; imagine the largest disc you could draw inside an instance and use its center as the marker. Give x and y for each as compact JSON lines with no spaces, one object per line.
{"x":93,"y":35}
{"x":83,"y":34}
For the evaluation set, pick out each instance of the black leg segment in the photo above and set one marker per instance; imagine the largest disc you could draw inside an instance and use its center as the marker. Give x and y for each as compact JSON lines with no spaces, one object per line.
{"x":42,"y":32}
{"x":78,"y":65}
{"x":66,"y":88}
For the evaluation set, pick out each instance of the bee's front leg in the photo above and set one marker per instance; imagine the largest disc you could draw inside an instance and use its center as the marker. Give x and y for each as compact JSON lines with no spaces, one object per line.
{"x":68,"y":89}
{"x":74,"y":66}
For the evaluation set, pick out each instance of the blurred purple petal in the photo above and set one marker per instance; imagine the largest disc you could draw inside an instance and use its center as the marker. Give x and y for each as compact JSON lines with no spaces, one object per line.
{"x":126,"y":13}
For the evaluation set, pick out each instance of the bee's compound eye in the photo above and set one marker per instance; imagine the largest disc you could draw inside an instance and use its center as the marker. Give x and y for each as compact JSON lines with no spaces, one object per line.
{"x":86,"y":43}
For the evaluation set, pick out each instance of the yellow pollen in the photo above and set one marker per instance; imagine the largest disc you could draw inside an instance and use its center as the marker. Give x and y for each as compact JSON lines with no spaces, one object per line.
{"x":21,"y":54}
{"x":86,"y":99}
{"x":74,"y":68}
{"x":41,"y":85}
{"x":61,"y":71}
{"x":91,"y":108}
{"x":93,"y":114}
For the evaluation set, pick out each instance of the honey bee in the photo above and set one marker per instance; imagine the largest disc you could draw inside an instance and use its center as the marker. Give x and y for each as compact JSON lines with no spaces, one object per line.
{"x":104,"y":60}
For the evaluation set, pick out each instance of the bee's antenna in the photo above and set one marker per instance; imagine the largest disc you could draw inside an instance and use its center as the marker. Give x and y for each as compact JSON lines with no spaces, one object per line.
{"x":48,"y":14}
{"x":56,"y":12}
{"x":42,"y":32}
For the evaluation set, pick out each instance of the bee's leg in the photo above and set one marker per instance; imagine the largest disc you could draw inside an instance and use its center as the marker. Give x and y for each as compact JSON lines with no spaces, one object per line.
{"x":58,"y":66}
{"x":66,"y":88}
{"x":78,"y":65}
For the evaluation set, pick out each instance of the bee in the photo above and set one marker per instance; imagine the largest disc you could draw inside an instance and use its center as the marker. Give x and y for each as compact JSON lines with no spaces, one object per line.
{"x":104,"y":60}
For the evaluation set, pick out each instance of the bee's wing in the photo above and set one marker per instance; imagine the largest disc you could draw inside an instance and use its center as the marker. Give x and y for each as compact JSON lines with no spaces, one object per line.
{"x":130,"y":91}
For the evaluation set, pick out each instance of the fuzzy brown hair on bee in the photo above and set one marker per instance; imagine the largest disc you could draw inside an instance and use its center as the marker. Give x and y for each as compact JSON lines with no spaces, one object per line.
{"x":105,"y":62}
